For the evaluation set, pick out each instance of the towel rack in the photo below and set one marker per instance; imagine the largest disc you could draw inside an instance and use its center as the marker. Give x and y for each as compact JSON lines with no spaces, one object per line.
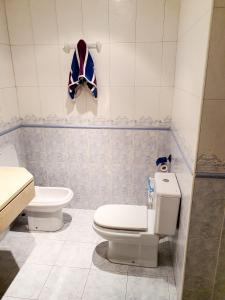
{"x":68,"y":46}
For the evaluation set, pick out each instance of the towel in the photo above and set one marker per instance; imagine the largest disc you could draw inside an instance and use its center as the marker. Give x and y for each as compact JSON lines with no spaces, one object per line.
{"x":82,"y":70}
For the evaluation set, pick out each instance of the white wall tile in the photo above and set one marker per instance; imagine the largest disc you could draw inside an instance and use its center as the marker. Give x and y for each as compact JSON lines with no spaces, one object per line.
{"x":121,"y":102}
{"x":4,"y":37}
{"x":149,"y":24}
{"x":219,"y":3}
{"x":122,"y":18}
{"x":69,"y":16}
{"x":191,"y":57}
{"x":10,"y":105}
{"x":48,"y":66}
{"x":168,"y":63}
{"x":165,"y":102}
{"x":186,"y":118}
{"x":24,"y":65}
{"x":122,"y":62}
{"x":19,"y":22}
{"x":6,"y":70}
{"x":95,"y":20}
{"x":172,"y":9}
{"x":44,"y":22}
{"x":147,"y":102}
{"x":101,"y":61}
{"x":190,"y":12}
{"x":148,"y":64}
{"x":29,"y":101}
{"x":53,"y":101}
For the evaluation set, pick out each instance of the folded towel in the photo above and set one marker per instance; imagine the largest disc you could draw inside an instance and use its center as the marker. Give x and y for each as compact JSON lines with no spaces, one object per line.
{"x":82,"y":70}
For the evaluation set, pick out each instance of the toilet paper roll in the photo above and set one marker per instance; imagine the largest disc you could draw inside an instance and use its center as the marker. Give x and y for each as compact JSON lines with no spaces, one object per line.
{"x":163,"y":168}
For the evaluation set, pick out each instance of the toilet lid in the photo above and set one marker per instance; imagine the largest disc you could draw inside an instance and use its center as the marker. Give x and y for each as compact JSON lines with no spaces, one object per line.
{"x":127,"y":217}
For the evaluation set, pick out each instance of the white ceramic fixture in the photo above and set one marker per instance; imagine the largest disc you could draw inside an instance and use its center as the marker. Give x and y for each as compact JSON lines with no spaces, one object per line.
{"x":134,"y":231}
{"x":45,"y":209}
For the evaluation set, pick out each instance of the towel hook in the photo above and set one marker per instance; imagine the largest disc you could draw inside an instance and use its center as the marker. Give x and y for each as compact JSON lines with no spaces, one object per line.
{"x":68,"y":46}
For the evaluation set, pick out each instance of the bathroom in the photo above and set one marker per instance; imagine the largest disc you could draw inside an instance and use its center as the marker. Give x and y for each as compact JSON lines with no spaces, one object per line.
{"x":160,"y":71}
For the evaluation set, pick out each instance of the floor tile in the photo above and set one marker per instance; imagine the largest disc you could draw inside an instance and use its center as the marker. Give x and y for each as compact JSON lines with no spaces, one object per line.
{"x":18,"y":248}
{"x":29,"y":281}
{"x":78,"y":255}
{"x":45,"y":252}
{"x":105,"y":285}
{"x":100,"y":262}
{"x":147,"y":288}
{"x":64,"y":283}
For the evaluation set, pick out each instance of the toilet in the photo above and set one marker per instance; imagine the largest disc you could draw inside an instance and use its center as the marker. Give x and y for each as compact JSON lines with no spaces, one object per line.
{"x":45,"y":209}
{"x":133,"y":232}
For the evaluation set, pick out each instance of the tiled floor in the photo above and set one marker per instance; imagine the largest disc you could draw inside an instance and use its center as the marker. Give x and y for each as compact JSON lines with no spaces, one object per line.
{"x":70,"y":264}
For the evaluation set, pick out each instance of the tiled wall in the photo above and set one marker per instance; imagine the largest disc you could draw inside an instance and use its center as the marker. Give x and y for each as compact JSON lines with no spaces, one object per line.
{"x":192,"y":50}
{"x":100,"y":165}
{"x":192,"y":47}
{"x":206,"y":281}
{"x":135,"y":69}
{"x":8,"y":99}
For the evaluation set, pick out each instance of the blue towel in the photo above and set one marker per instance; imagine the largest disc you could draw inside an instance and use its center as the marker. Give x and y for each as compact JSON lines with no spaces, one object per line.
{"x":82,"y":71}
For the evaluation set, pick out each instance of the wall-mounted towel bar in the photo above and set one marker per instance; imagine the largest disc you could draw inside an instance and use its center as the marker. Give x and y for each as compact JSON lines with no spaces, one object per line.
{"x":67,"y":47}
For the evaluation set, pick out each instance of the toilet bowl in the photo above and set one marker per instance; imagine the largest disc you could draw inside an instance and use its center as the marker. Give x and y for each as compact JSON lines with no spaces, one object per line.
{"x":45,"y":210}
{"x":133,"y":232}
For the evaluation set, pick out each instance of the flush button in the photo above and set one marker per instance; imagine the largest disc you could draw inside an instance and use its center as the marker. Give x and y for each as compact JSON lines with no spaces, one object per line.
{"x":166,"y":180}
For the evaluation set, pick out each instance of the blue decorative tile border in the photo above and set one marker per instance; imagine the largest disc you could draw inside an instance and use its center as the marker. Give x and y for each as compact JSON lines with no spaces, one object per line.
{"x":8,"y":130}
{"x":94,"y":127}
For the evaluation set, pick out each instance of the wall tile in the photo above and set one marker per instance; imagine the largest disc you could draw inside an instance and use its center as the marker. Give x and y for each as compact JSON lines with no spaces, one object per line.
{"x":205,"y":222}
{"x":192,"y":57}
{"x":6,"y":70}
{"x":48,"y":66}
{"x":171,"y":20}
{"x":191,"y":12}
{"x":24,"y":65}
{"x":199,"y":285}
{"x":181,"y":116}
{"x":211,"y":141}
{"x":149,"y":24}
{"x":69,"y":16}
{"x":52,"y":101}
{"x":44,"y":23}
{"x":148,"y":64}
{"x":121,"y":102}
{"x":147,"y":102}
{"x":95,"y":20}
{"x":122,"y":18}
{"x":122,"y":58}
{"x":219,"y":292}
{"x":101,"y":61}
{"x":19,"y":22}
{"x":29,"y":101}
{"x":165,"y":102}
{"x":4,"y":37}
{"x":219,"y":3}
{"x":216,"y":66}
{"x":10,"y":106}
{"x":168,"y":64}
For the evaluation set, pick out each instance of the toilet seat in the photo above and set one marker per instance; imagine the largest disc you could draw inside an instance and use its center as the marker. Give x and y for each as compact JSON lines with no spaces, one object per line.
{"x":122,"y":217}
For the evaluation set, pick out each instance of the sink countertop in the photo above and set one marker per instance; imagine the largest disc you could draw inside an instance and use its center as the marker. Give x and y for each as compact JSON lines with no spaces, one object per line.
{"x":12,"y":181}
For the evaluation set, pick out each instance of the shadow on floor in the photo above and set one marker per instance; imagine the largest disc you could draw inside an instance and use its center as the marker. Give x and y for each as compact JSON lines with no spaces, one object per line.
{"x":101,"y":262}
{"x":8,"y":270}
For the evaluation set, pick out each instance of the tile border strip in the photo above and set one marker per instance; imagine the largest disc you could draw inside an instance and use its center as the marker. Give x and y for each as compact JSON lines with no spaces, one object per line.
{"x":210,"y":175}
